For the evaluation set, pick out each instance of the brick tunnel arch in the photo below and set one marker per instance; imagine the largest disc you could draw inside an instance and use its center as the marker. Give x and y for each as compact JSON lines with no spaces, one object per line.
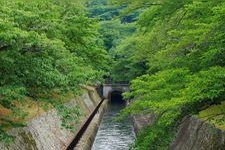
{"x":116,"y":96}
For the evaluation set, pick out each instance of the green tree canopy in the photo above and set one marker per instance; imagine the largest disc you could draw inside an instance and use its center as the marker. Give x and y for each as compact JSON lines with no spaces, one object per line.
{"x":180,"y":45}
{"x":46,"y":47}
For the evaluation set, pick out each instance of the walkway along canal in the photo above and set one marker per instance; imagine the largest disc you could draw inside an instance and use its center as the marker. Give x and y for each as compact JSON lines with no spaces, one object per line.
{"x":114,"y":135}
{"x":111,"y":135}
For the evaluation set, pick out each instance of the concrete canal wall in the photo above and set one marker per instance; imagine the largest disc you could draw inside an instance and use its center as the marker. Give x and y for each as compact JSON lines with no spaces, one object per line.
{"x":44,"y":132}
{"x":192,"y":134}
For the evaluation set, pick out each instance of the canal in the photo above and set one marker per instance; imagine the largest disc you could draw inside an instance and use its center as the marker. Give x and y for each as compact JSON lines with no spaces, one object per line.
{"x":114,"y":135}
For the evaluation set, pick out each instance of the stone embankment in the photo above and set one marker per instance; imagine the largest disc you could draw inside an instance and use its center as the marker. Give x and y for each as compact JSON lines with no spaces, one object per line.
{"x":192,"y":134}
{"x":88,"y":137}
{"x":195,"y":134}
{"x":44,"y":132}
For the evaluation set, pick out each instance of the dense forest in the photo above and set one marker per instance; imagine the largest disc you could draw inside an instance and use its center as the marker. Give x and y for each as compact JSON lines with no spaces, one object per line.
{"x":175,"y":61}
{"x":170,"y":51}
{"x":47,"y":49}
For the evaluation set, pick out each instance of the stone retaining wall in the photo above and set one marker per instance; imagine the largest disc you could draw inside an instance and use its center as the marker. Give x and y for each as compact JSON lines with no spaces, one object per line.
{"x":88,"y":137}
{"x":192,"y":134}
{"x":44,"y":132}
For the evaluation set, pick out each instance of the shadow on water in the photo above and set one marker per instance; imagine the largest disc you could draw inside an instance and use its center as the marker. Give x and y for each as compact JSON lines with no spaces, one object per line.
{"x":114,"y":135}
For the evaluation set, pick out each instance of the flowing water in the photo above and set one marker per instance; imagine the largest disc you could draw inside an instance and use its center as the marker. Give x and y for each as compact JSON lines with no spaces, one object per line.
{"x":113,"y":135}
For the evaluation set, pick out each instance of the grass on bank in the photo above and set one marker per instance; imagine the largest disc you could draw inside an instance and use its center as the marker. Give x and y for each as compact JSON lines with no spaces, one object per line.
{"x":214,"y":115}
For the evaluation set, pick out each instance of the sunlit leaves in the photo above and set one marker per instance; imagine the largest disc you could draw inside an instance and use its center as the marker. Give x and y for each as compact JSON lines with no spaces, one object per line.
{"x":47,"y":47}
{"x":206,"y":85}
{"x":183,"y":47}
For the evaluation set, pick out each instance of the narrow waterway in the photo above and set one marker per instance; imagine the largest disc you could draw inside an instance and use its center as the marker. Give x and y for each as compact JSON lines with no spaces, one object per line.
{"x":114,"y":135}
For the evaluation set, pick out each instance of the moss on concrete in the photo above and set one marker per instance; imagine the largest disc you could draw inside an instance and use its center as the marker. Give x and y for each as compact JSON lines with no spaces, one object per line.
{"x":214,"y":115}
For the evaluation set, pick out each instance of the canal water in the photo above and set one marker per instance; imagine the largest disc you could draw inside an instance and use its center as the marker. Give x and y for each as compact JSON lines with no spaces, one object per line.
{"x":114,"y":135}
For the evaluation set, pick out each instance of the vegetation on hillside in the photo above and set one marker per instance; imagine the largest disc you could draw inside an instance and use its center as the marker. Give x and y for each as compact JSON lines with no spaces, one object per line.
{"x":214,"y":115}
{"x":171,"y":51}
{"x":114,"y":27}
{"x":175,"y":62}
{"x":47,"y":48}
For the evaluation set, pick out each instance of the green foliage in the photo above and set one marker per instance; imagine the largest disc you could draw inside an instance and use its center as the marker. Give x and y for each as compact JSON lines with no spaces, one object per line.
{"x":215,"y":115}
{"x":47,"y":47}
{"x":114,"y":28}
{"x":112,"y":33}
{"x":69,"y":115}
{"x":128,"y":64}
{"x":102,"y":10}
{"x":5,"y":123}
{"x":171,"y":94}
{"x":181,"y":48}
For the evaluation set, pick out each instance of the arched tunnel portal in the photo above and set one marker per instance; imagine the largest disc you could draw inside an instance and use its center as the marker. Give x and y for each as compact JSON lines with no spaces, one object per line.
{"x":116,"y":97}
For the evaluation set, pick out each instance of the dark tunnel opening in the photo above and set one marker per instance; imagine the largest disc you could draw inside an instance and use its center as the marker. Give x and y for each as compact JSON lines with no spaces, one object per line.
{"x":116,"y":97}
